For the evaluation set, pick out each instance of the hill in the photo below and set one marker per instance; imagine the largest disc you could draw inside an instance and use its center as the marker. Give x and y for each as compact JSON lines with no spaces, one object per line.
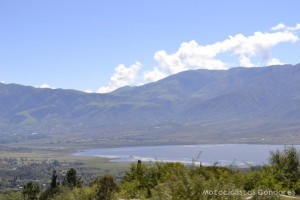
{"x":238,"y":105}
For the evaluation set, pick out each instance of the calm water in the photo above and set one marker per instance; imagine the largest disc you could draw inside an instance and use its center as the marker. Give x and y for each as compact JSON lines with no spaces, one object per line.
{"x":225,"y":154}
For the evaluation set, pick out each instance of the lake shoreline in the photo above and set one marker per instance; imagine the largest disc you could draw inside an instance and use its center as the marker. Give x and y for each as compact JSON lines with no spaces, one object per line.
{"x":207,"y":154}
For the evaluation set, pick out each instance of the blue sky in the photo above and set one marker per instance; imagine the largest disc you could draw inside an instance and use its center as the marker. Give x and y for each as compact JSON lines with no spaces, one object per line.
{"x":100,"y":45}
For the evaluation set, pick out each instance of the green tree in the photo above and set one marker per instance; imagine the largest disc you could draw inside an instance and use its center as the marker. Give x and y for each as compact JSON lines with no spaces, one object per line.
{"x":140,"y":180}
{"x":72,"y":180}
{"x":53,"y":183}
{"x":31,"y":191}
{"x":286,"y":165}
{"x":106,"y":187}
{"x":54,"y":189}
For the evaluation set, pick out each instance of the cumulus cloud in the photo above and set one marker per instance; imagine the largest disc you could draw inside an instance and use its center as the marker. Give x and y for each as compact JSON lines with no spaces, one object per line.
{"x":2,"y":82}
{"x":245,"y":61}
{"x":122,"y":76}
{"x":45,"y":86}
{"x":278,"y":27}
{"x":89,"y":91}
{"x":282,"y":26}
{"x":154,"y":75}
{"x":274,"y":61}
{"x":192,"y":55}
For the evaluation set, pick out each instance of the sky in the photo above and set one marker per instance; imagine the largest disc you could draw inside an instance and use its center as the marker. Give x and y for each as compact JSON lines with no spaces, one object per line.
{"x":101,"y":45}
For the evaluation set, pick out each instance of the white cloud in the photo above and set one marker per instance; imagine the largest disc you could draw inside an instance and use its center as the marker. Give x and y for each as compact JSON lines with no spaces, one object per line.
{"x":282,"y":26}
{"x":2,"y":82}
{"x":245,"y":61}
{"x":89,"y":91}
{"x":45,"y":86}
{"x":274,"y":61}
{"x":123,"y":76}
{"x":154,"y":75}
{"x":192,"y":55}
{"x":278,"y":27}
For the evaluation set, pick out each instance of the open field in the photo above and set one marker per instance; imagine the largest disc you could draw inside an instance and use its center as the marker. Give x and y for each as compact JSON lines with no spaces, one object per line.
{"x":21,"y":165}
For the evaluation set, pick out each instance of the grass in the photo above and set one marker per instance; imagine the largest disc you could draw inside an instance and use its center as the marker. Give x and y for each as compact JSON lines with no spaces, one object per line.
{"x":64,"y":155}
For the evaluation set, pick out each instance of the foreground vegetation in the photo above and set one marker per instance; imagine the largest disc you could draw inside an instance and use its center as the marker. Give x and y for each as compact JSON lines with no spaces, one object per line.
{"x":177,"y":181}
{"x":19,"y":167}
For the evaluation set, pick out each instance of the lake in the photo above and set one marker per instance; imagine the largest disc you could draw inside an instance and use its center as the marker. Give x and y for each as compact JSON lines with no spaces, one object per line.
{"x":241,"y":155}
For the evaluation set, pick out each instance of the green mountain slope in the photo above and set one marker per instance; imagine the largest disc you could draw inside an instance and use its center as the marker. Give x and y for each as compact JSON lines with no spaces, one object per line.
{"x":235,"y":103}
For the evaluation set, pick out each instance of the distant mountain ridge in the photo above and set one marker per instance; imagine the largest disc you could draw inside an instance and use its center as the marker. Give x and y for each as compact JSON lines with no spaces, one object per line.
{"x":234,"y":103}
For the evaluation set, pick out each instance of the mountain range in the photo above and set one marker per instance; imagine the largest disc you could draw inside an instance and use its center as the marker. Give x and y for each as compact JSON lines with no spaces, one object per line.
{"x":259,"y":104}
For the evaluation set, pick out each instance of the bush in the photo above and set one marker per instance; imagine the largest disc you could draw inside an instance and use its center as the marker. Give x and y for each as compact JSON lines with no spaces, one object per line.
{"x":31,"y":191}
{"x":106,"y":187}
